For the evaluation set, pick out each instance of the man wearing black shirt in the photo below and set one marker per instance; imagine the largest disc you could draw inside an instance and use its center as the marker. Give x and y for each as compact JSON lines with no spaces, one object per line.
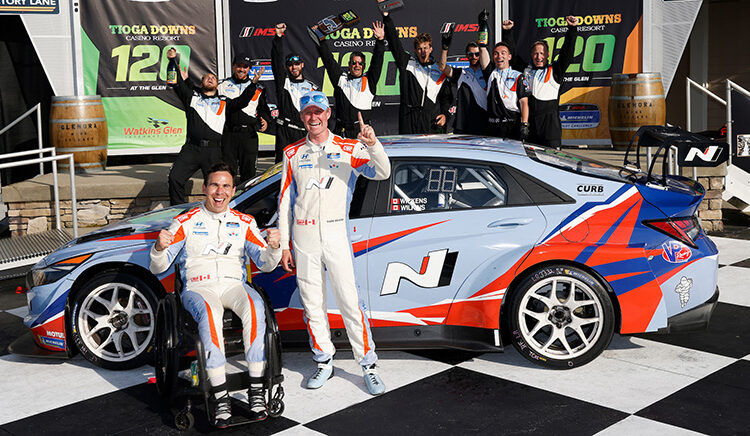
{"x":290,"y":87}
{"x":354,"y":89}
{"x":424,"y":100}
{"x":206,"y":112}
{"x":240,"y":138}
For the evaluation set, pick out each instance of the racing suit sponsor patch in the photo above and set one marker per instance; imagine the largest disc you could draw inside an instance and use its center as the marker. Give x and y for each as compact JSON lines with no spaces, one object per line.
{"x":333,"y":156}
{"x":195,"y":232}
{"x":233,"y":225}
{"x":305,"y":222}
{"x":200,"y":278}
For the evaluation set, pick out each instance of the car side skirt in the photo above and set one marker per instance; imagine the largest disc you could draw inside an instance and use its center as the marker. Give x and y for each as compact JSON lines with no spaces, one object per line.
{"x":411,"y":337}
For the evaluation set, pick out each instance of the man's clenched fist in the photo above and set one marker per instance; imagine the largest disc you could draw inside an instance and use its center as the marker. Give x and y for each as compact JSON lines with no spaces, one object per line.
{"x":273,"y":237}
{"x":164,"y":240}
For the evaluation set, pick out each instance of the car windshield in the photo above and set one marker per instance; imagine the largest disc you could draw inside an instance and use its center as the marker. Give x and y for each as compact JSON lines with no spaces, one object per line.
{"x":577,"y":164}
{"x":258,"y":179}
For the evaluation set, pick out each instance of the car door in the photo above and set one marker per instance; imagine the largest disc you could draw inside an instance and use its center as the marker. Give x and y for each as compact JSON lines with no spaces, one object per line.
{"x":282,"y":286}
{"x":437,"y":222}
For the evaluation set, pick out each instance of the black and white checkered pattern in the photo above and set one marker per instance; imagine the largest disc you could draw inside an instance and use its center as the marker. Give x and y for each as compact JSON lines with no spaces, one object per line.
{"x":645,"y":384}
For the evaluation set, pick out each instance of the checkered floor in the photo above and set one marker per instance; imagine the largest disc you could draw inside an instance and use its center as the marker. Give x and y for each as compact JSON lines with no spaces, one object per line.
{"x":646,"y":384}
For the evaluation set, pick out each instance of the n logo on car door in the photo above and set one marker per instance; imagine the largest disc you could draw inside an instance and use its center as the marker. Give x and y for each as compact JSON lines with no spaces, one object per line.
{"x":436,"y":271}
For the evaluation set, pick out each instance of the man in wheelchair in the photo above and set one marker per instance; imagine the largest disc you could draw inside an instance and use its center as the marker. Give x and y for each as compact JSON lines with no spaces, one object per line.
{"x":212,"y":244}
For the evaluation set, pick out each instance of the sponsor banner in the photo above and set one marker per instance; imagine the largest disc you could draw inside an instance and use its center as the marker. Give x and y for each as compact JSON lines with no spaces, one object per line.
{"x":252,"y":31}
{"x":124,"y":46}
{"x":15,"y":7}
{"x":609,"y":42}
{"x":740,"y":130}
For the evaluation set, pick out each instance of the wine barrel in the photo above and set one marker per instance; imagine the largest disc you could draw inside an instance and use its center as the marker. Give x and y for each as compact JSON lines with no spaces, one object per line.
{"x":635,"y":100}
{"x":77,"y":125}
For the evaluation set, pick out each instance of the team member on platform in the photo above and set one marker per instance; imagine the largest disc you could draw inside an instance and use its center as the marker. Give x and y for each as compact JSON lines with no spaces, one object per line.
{"x":290,"y":87}
{"x":507,"y":97}
{"x":318,"y":178}
{"x":471,"y":104}
{"x":544,"y":79}
{"x":213,"y":243}
{"x":424,"y":100}
{"x":206,"y":113}
{"x":240,"y":138}
{"x":354,"y":89}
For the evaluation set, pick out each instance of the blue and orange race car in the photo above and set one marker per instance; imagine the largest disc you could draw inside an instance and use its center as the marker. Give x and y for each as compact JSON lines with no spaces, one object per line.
{"x":471,"y":241}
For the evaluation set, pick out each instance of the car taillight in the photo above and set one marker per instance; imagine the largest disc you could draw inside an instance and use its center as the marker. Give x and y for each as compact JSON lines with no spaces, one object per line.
{"x":683,"y":229}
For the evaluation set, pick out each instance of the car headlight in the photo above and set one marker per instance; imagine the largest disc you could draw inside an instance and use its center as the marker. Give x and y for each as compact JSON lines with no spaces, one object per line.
{"x":55,"y":272}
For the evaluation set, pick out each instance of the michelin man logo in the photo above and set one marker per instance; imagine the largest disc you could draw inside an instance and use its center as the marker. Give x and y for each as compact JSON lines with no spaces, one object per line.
{"x":683,"y":288}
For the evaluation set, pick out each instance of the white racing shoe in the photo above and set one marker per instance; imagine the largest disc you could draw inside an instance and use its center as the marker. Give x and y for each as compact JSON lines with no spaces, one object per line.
{"x":322,"y":374}
{"x":373,"y":381}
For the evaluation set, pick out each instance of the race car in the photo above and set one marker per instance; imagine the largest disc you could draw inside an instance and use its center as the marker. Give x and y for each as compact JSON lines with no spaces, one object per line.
{"x":472,"y":242}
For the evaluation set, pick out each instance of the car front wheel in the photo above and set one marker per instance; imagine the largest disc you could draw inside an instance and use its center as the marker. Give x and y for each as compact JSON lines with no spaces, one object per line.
{"x":560,"y":317}
{"x":113,"y":319}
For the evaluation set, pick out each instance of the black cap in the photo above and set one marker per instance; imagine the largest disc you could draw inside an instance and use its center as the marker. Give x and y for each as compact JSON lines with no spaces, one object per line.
{"x":293,"y":57}
{"x":242,"y":58}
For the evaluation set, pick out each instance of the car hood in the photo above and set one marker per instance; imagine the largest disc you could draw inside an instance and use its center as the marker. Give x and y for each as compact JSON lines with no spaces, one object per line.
{"x":136,"y":230}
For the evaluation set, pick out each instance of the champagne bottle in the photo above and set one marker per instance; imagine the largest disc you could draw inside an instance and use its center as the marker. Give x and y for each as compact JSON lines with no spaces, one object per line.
{"x":172,"y":72}
{"x":484,"y":29}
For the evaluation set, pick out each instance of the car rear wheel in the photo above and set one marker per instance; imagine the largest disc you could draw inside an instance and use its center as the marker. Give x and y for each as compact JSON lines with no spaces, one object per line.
{"x":560,"y":317}
{"x":113,"y":320}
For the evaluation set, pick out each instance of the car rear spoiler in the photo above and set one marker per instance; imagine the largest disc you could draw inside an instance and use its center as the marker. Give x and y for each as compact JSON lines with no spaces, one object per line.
{"x":693,"y":150}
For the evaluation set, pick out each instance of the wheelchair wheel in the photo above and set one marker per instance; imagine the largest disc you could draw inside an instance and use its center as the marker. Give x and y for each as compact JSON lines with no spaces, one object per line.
{"x":184,"y":420}
{"x":275,"y":408}
{"x":166,"y":355}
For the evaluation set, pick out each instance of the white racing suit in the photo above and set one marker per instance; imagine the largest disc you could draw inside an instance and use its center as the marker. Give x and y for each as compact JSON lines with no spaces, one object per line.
{"x":316,"y":188}
{"x":212,"y":250}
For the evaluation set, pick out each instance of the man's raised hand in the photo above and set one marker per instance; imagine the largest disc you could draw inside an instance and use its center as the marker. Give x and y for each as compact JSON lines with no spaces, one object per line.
{"x":280,"y":29}
{"x":273,"y":236}
{"x":164,"y":240}
{"x":366,"y":132}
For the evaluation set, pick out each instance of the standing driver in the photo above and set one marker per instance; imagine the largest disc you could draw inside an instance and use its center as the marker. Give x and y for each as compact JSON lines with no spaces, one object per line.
{"x":213,"y":243}
{"x":318,"y":178}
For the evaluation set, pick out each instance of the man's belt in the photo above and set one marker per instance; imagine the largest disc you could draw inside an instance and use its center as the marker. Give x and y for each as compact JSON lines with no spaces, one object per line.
{"x":205,"y":142}
{"x":286,"y":122}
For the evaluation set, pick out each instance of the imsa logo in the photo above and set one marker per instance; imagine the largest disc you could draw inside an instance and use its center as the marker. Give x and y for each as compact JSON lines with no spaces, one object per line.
{"x":436,"y":271}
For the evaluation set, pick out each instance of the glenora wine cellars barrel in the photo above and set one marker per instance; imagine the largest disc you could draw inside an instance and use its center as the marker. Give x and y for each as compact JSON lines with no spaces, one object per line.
{"x":635,"y":100}
{"x":77,"y":125}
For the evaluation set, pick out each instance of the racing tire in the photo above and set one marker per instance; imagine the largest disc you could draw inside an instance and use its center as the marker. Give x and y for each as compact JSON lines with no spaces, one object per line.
{"x":560,"y":317}
{"x":112,"y":320}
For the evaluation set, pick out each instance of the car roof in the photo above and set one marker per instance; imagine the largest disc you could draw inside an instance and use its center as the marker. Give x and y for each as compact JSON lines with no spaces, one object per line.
{"x":465,"y":144}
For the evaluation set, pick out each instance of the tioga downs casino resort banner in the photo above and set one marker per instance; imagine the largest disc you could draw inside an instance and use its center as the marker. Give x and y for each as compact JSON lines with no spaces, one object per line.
{"x":609,"y":42}
{"x":124,"y":45}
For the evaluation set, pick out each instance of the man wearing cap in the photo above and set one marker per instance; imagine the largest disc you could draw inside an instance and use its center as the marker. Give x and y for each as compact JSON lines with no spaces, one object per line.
{"x":240,"y":138}
{"x":318,"y":178}
{"x":356,"y":87}
{"x":290,"y":87}
{"x":206,"y":113}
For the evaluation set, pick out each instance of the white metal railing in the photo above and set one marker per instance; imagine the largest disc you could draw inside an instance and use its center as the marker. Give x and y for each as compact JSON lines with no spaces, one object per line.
{"x":38,"y":110}
{"x":54,"y":158}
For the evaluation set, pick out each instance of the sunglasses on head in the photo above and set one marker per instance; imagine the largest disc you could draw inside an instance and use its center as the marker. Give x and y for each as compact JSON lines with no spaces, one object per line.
{"x":294,"y":60}
{"x":472,"y":54}
{"x":317,"y":98}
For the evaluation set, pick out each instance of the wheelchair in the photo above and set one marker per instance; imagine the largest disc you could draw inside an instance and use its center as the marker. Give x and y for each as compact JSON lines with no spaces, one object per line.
{"x":178,"y":345}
